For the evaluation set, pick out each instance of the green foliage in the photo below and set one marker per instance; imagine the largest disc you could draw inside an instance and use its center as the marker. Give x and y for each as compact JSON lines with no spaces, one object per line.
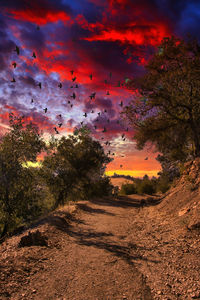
{"x":128,"y":189}
{"x":18,"y":193}
{"x":74,"y":166}
{"x":169,"y":117}
{"x":146,"y":187}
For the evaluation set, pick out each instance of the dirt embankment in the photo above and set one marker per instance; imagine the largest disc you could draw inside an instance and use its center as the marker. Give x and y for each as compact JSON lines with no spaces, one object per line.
{"x":109,"y":249}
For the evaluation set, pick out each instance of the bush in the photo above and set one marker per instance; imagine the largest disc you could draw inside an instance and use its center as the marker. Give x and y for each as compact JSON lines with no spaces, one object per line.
{"x":128,"y":189}
{"x":146,"y":187}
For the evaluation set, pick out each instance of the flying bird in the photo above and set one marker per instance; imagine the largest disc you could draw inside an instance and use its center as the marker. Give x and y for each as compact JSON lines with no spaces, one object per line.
{"x":73,"y":96}
{"x":13,"y":80}
{"x":68,"y":101}
{"x":17,"y":50}
{"x":72,"y":72}
{"x":90,"y":76}
{"x":40,"y":85}
{"x":71,"y":105}
{"x":45,"y":110}
{"x":60,"y":85}
{"x":85,"y":115}
{"x":81,"y":122}
{"x":60,"y":116}
{"x":99,"y":113}
{"x":59,"y":124}
{"x":73,"y":79}
{"x":34,"y":56}
{"x":92,"y":96}
{"x":56,"y":130}
{"x":14,"y":64}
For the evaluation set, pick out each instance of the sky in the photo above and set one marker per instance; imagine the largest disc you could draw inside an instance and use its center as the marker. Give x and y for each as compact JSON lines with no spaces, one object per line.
{"x":89,"y":46}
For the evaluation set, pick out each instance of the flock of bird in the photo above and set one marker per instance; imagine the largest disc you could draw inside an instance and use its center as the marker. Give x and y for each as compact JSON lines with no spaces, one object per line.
{"x":73,"y":96}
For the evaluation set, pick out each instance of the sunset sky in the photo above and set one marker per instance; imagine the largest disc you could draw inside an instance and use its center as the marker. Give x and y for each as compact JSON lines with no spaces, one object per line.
{"x":109,"y":39}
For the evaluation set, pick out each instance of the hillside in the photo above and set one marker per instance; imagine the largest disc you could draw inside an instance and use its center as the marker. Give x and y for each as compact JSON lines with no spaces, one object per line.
{"x":111,"y":248}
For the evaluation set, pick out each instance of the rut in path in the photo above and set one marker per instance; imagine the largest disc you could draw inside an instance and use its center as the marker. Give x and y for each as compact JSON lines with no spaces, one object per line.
{"x":93,"y":260}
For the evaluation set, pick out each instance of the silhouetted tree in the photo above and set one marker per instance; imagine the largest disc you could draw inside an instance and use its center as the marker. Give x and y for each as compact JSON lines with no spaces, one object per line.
{"x":166,"y":109}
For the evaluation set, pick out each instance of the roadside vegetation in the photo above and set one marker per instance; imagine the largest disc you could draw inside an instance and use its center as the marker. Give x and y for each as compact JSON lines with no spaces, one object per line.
{"x":72,"y":168}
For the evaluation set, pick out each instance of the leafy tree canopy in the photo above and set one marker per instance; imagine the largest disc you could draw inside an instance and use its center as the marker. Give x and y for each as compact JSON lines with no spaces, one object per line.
{"x":166,"y":107}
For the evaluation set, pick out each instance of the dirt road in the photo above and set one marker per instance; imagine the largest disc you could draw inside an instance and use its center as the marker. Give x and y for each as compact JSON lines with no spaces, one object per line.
{"x":88,"y":259}
{"x":109,"y":249}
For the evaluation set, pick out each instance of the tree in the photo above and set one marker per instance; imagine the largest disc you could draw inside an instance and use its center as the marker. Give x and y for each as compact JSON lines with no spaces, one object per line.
{"x":17,"y":193}
{"x":74,"y":163}
{"x":166,"y":108}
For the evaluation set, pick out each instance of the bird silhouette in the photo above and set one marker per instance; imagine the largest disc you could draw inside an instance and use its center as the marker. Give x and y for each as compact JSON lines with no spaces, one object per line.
{"x":90,"y":76}
{"x":72,"y":72}
{"x":92,"y":96}
{"x":124,"y":139}
{"x":107,"y":93}
{"x":17,"y":50}
{"x":32,"y":101}
{"x":45,"y":110}
{"x":81,"y":122}
{"x":99,"y":113}
{"x":60,"y":85}
{"x":73,"y":96}
{"x":146,"y":158}
{"x":85,"y":115}
{"x":121,"y":103}
{"x":59,"y":124}
{"x":34,"y":56}
{"x":105,"y":110}
{"x":56,"y":130}
{"x":13,"y":80}
{"x":60,"y":116}
{"x":40,"y":85}
{"x":14,"y":64}
{"x":71,"y":105}
{"x":73,"y":79}
{"x":68,"y":101}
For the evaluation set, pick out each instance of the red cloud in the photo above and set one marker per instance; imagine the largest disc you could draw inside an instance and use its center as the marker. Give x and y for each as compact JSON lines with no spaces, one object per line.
{"x":39,"y":14}
{"x":149,"y":34}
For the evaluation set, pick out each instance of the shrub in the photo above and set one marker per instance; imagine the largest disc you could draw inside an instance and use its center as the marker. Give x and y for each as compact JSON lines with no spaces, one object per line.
{"x":146,"y":187}
{"x":128,"y":189}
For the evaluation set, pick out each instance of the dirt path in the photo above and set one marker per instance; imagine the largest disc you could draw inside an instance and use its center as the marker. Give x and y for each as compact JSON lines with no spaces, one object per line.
{"x":107,"y":250}
{"x":90,"y":259}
